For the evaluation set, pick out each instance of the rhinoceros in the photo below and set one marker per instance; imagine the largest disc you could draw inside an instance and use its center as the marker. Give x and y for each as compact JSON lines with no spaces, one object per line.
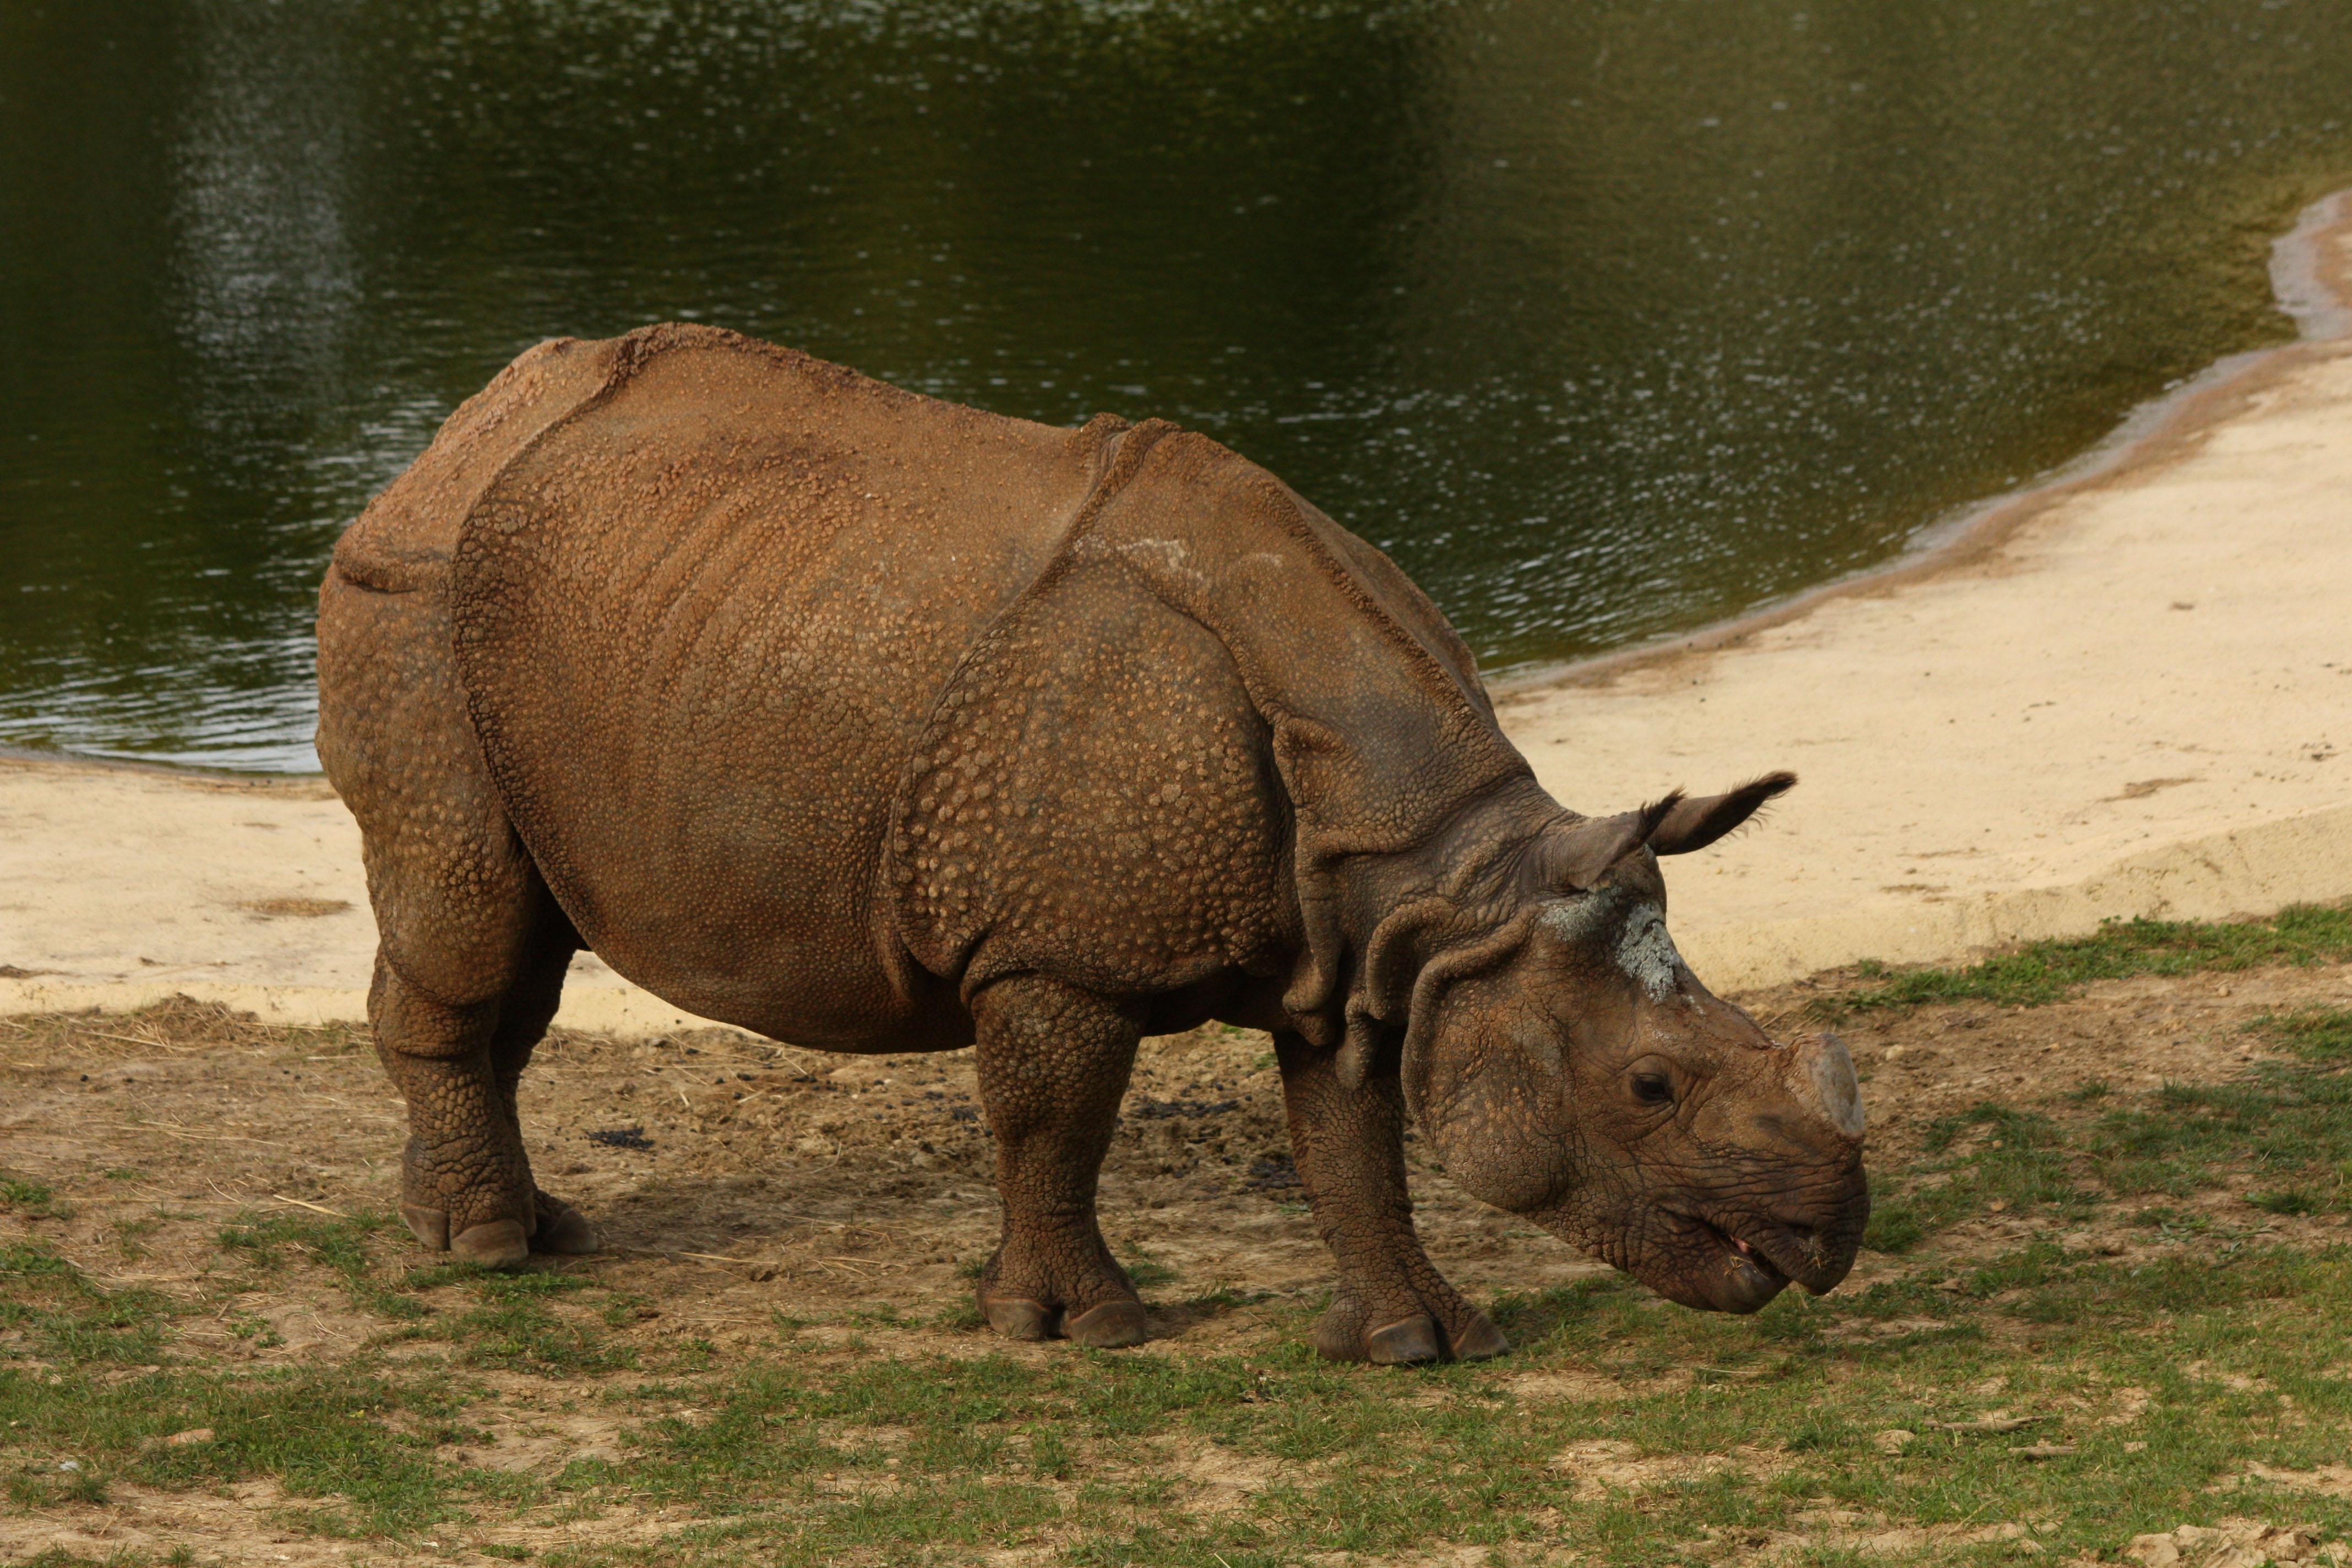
{"x":874,"y":723}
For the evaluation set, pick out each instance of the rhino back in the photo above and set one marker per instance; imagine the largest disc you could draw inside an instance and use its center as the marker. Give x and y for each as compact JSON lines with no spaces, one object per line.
{"x":700,"y":622}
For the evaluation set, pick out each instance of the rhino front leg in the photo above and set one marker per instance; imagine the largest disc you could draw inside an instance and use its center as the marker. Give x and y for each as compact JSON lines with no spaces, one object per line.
{"x":1391,"y":1303}
{"x":1054,"y":1065}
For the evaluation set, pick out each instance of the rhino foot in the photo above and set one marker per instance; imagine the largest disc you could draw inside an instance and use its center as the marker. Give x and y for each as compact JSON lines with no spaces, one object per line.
{"x":563,"y":1229}
{"x":498,"y":1244}
{"x":502,"y":1242}
{"x":1018,"y":1318}
{"x":1343,"y":1334}
{"x":1113,"y":1325}
{"x":494,"y":1244}
{"x":430,"y":1226}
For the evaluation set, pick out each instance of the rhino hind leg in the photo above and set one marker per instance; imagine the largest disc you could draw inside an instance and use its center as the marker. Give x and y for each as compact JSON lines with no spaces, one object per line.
{"x":1054,"y":1065}
{"x":1390,"y":1304}
{"x":528,"y":1007}
{"x":465,"y":1179}
{"x":472,"y":948}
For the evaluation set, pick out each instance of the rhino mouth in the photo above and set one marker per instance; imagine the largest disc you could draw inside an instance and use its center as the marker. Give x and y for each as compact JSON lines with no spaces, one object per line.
{"x":1737,"y":1277}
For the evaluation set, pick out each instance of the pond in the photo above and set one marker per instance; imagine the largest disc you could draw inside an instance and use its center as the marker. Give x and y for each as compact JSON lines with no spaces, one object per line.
{"x":1606,"y":320}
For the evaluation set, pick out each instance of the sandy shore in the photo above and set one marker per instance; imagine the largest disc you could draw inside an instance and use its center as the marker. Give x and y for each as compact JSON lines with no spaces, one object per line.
{"x":2129,"y":692}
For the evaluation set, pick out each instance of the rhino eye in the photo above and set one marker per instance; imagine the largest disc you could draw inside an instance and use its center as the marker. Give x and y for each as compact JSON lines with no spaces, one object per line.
{"x":1652,"y":1088}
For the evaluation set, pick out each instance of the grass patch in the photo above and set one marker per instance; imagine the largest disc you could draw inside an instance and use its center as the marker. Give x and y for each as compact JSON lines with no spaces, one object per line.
{"x":68,"y":1319}
{"x":2050,"y":971}
{"x":1721,"y":1429}
{"x":340,"y":1244}
{"x":2288,"y":1124}
{"x":1621,"y":1430}
{"x":355,"y":1432}
{"x":807,"y":1457}
{"x":1145,"y":1271}
{"x":511,"y":1325}
{"x":31,"y":1199}
{"x":1987,"y":1159}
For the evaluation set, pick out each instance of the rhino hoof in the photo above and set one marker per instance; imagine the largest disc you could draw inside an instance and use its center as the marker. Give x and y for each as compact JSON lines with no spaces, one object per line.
{"x":1112,"y":1326}
{"x":563,"y":1229}
{"x":430,"y":1226}
{"x":1409,"y":1339}
{"x":498,"y":1244}
{"x":1480,"y":1340}
{"x":1018,"y":1318}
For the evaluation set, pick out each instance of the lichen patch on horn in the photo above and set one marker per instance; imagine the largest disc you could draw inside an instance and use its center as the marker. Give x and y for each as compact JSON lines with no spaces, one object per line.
{"x":1647,"y":954}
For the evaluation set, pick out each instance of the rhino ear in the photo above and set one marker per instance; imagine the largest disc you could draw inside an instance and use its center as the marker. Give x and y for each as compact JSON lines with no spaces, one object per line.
{"x":1696,"y":824}
{"x":1576,"y":858}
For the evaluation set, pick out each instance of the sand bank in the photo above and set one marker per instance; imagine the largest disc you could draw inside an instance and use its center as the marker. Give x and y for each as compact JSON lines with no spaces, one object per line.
{"x":2125,"y":693}
{"x":2129,"y":692}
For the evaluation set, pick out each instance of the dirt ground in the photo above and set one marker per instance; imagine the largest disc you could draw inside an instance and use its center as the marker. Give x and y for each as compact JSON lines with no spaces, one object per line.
{"x":733,"y":1179}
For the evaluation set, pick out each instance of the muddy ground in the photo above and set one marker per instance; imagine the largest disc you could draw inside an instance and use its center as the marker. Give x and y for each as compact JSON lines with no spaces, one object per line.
{"x":733,"y":1179}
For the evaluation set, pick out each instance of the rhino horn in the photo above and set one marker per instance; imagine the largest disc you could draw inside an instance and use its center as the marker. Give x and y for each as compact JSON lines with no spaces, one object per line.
{"x":1820,"y":1079}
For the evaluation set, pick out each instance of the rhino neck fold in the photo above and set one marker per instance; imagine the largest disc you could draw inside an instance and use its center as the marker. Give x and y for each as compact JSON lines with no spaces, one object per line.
{"x":1398,"y":783}
{"x":1411,"y":924}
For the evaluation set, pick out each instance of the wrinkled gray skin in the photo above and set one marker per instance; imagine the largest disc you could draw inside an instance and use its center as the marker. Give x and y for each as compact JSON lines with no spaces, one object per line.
{"x":878,"y":724}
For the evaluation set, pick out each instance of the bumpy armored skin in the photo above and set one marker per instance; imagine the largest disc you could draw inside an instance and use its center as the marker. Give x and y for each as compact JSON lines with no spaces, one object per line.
{"x":878,"y":724}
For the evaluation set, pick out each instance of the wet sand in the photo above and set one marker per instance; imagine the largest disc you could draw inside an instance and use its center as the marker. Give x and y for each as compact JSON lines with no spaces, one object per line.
{"x":2129,"y":692}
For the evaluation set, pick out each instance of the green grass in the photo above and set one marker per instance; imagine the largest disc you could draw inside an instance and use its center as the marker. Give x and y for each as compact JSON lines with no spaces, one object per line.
{"x":2288,"y":1124}
{"x":1145,"y":1271}
{"x":72,"y":1322}
{"x":513,"y":1327}
{"x":801,"y":1454}
{"x":266,"y":1240}
{"x":2045,"y":971}
{"x":361,"y":1434}
{"x":890,"y":1438}
{"x":797,"y":1456}
{"x":31,"y":1199}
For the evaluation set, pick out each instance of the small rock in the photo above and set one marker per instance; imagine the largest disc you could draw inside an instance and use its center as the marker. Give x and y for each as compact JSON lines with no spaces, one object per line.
{"x":192,"y":1435}
{"x":70,"y":1464}
{"x":1894,"y":1440}
{"x":2153,"y":1551}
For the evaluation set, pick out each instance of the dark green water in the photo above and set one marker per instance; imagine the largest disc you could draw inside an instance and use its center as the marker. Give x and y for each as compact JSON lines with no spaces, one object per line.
{"x":1607,"y":319}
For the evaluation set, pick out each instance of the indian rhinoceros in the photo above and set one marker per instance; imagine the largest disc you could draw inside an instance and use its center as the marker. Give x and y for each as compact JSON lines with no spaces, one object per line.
{"x":878,"y":724}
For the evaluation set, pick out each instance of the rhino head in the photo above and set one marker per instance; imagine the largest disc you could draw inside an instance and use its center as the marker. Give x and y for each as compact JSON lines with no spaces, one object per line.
{"x":1568,"y":1065}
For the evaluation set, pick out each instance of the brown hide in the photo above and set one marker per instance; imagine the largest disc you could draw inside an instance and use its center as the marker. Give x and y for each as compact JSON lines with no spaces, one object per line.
{"x":804,"y":690}
{"x":1197,"y":621}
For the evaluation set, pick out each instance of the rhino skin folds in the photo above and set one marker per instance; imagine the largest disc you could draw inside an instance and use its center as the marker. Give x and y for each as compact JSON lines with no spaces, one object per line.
{"x":879,"y":724}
